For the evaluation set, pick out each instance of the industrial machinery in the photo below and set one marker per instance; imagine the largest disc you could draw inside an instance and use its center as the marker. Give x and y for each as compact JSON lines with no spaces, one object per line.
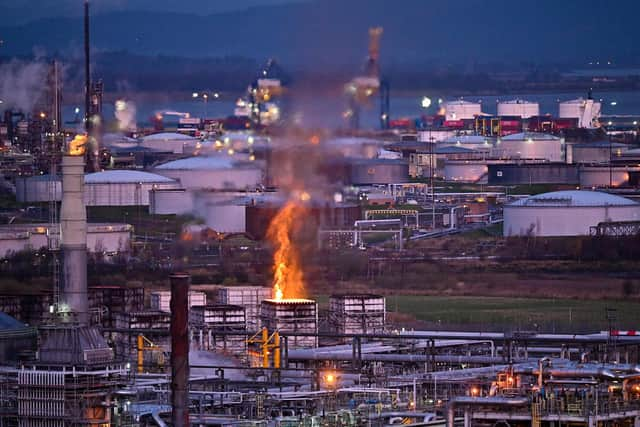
{"x":363,"y":88}
{"x":263,"y":103}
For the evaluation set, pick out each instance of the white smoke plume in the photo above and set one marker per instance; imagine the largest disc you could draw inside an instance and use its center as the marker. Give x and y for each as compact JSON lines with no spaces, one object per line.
{"x":22,"y":83}
{"x":125,"y":112}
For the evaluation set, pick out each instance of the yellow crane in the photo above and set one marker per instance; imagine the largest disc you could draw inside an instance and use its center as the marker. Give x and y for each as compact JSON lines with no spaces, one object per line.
{"x":145,"y":345}
{"x":267,"y":343}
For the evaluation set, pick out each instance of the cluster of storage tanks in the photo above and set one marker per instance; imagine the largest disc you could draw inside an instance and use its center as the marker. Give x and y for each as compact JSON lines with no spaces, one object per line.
{"x":584,"y":111}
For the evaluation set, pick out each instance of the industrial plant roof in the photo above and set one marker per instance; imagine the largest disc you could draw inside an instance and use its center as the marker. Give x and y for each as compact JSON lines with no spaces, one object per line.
{"x":167,"y":136}
{"x":124,"y":176}
{"x":535,"y":136}
{"x":199,"y":163}
{"x":574,"y":198}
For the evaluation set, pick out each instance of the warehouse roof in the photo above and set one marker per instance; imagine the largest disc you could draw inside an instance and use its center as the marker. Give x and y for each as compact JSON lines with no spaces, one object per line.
{"x":535,"y":136}
{"x":574,"y":198}
{"x":124,"y":176}
{"x":168,"y":136}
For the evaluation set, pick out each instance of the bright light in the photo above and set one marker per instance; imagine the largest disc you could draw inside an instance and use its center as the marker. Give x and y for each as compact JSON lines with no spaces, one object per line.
{"x":440,"y":100}
{"x":77,"y":110}
{"x":216,"y":95}
{"x":304,"y":196}
{"x":250,"y":140}
{"x":205,"y":96}
{"x":195,"y":94}
{"x":614,"y":103}
{"x":610,"y":123}
{"x":231,"y":151}
{"x":330,"y":378}
{"x":43,"y":115}
{"x":426,"y":102}
{"x":635,"y":123}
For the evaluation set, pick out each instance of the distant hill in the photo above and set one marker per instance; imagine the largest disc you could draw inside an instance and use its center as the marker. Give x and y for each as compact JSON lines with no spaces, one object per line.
{"x":326,"y":33}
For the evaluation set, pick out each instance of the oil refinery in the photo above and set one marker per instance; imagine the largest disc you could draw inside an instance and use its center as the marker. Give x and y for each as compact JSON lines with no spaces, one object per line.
{"x":451,"y":267}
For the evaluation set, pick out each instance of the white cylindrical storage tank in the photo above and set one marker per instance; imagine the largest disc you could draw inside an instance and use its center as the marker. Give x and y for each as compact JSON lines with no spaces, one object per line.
{"x":466,"y":171}
{"x":224,"y":212}
{"x":530,"y":145}
{"x":38,"y":188}
{"x":171,"y":201}
{"x":168,"y":141}
{"x":123,"y":187}
{"x":566,"y":213}
{"x":519,"y":108}
{"x":604,"y":176}
{"x":587,"y":111}
{"x":220,"y":172}
{"x":462,"y":110}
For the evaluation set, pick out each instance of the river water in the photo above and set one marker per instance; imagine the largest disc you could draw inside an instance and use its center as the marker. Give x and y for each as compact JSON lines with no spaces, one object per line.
{"x":327,"y":112}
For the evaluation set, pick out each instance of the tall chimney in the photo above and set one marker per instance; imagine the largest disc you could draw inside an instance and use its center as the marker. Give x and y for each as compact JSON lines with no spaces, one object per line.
{"x":179,"y":307}
{"x":73,"y":233}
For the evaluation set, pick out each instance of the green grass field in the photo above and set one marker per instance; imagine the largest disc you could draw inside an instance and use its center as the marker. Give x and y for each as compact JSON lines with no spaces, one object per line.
{"x":499,"y":314}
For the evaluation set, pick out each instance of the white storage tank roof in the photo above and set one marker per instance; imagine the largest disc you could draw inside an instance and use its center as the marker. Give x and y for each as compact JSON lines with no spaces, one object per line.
{"x":125,"y":177}
{"x":199,"y":163}
{"x":566,"y":213}
{"x":469,"y":139}
{"x":575,"y":198}
{"x":168,"y":136}
{"x":530,"y":136}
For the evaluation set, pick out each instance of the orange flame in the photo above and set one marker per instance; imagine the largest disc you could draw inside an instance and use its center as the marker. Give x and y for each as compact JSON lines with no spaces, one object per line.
{"x":288,"y":278}
{"x":78,"y":145}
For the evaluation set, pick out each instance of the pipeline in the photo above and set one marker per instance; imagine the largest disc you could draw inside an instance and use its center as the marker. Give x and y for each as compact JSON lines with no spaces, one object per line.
{"x":494,"y":401}
{"x":408,"y":358}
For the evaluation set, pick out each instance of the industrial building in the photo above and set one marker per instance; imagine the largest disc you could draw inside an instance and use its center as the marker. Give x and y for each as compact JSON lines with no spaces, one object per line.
{"x":462,"y":110}
{"x":597,"y":152}
{"x":518,"y":108}
{"x":108,"y":188}
{"x":566,"y":213}
{"x":531,"y":146}
{"x":518,"y":173}
{"x":377,"y":171}
{"x":107,"y":238}
{"x":215,"y":172}
{"x":176,"y":143}
{"x":586,"y":111}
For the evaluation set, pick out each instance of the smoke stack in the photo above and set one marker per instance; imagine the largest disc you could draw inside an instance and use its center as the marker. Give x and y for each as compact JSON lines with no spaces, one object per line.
{"x":179,"y":307}
{"x":73,"y":230}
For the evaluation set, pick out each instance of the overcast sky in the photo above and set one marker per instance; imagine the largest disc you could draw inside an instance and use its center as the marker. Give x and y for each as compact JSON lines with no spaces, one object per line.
{"x":19,"y":11}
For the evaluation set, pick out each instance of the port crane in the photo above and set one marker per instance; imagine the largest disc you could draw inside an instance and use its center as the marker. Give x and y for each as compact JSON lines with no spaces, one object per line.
{"x":361,"y":89}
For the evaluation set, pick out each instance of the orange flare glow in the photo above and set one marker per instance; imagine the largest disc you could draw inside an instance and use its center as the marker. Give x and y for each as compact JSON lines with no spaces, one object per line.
{"x":288,"y":280}
{"x":78,"y":145}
